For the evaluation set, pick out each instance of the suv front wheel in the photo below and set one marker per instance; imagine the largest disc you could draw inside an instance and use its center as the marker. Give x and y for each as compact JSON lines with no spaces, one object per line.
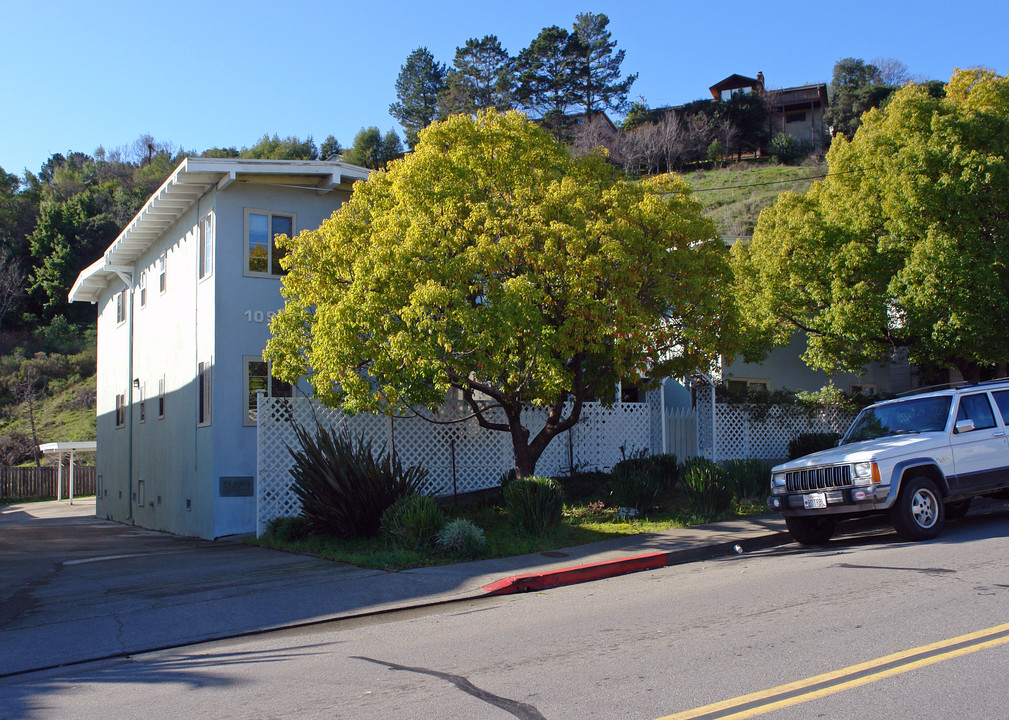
{"x":918,"y":513}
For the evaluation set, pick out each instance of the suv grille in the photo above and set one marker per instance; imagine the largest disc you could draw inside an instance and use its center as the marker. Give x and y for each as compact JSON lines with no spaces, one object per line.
{"x":818,"y":478}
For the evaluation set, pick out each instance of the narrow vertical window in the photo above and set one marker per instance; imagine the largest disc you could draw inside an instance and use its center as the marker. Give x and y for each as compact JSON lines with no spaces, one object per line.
{"x":162,"y":273}
{"x":143,"y":403}
{"x":121,"y":410}
{"x":204,"y":394}
{"x":161,"y":398}
{"x":121,"y":300}
{"x":206,"y":259}
{"x":143,"y":288}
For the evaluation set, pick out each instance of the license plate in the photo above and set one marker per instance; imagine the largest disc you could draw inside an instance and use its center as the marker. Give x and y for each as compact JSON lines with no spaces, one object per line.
{"x":814,"y":500}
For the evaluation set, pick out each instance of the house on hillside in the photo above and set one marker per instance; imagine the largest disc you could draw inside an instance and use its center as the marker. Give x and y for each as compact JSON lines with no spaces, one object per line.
{"x":185,"y":294}
{"x":796,"y":111}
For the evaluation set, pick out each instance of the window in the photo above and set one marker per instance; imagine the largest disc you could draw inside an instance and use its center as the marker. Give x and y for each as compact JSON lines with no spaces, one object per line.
{"x":204,"y":394}
{"x":1002,"y":400}
{"x":258,"y":377}
{"x":261,"y":229}
{"x":161,"y":399}
{"x":978,"y":409}
{"x":206,"y":260}
{"x":795,"y":117}
{"x":121,"y":300}
{"x":121,"y":410}
{"x":143,"y":288}
{"x":143,"y":403}
{"x":162,"y":273}
{"x":744,"y":384}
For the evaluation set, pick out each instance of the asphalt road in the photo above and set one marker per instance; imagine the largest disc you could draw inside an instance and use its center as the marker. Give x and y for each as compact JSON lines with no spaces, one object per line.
{"x":868,"y":627}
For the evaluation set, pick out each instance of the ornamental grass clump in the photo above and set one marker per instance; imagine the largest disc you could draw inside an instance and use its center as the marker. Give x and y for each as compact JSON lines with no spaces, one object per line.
{"x":413,"y":522}
{"x":704,"y":491}
{"x":748,"y":478}
{"x":535,"y":504}
{"x":462,"y":537}
{"x":345,"y":485}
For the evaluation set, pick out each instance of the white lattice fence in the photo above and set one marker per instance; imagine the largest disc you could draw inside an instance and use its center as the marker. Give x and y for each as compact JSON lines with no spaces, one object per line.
{"x":460,"y":456}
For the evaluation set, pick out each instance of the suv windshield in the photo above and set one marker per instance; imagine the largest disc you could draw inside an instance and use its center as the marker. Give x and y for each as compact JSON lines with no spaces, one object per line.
{"x":907,"y":416}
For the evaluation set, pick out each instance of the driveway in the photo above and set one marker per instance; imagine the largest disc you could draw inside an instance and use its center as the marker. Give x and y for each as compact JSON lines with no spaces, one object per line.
{"x":77,"y":588}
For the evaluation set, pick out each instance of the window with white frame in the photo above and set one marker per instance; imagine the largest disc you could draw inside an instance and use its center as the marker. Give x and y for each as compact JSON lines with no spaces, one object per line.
{"x":262,"y":256}
{"x":258,"y":378}
{"x":161,"y":399}
{"x":143,"y":402}
{"x":163,"y":273}
{"x":121,"y":410}
{"x":204,"y":394}
{"x":121,"y":300}
{"x":206,"y":259}
{"x":143,"y":288}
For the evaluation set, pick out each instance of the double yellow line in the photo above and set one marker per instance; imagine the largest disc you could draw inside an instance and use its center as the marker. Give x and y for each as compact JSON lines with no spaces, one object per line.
{"x":765,"y":701}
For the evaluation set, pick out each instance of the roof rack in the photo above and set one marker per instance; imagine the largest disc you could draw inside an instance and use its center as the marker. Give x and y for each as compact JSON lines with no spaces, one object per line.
{"x":950,"y":386}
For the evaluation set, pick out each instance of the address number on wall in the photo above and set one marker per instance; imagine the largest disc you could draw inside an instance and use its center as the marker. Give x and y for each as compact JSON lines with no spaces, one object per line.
{"x":258,"y":316}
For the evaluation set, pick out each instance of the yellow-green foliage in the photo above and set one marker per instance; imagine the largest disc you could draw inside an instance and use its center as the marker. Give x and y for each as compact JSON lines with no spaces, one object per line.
{"x":491,"y":259}
{"x":904,"y":245}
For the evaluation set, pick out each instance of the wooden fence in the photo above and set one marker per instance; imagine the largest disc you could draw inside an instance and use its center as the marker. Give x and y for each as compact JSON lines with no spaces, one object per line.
{"x":28,"y":483}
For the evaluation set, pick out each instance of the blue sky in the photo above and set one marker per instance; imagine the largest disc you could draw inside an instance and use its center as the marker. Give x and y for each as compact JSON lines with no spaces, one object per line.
{"x":200,"y":74}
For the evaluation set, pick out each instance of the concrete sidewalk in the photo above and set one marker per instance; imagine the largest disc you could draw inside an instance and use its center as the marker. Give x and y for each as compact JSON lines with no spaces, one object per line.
{"x":76,"y":588}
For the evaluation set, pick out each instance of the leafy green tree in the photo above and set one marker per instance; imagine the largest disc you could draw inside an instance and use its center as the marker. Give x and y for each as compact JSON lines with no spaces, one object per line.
{"x":596,"y":81}
{"x":19,"y":211}
{"x":277,"y":148}
{"x":492,"y":262}
{"x":482,"y":77}
{"x":903,"y":245}
{"x":421,"y":80}
{"x":372,"y":150}
{"x":330,"y":148}
{"x":544,"y":72}
{"x":856,"y":87}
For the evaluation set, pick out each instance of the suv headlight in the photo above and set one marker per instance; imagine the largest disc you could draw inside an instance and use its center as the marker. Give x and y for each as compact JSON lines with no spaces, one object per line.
{"x":778,"y":483}
{"x":865,"y":473}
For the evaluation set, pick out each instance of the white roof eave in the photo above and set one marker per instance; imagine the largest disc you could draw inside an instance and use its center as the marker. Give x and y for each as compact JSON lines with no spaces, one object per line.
{"x":190,"y":180}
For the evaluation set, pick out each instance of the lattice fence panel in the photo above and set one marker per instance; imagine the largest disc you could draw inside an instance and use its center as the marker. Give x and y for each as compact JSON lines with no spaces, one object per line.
{"x":746,"y":431}
{"x":477,"y":456}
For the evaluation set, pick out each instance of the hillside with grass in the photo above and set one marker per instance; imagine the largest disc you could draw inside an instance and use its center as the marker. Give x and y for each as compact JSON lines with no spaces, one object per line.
{"x":734,"y":196}
{"x":48,"y":375}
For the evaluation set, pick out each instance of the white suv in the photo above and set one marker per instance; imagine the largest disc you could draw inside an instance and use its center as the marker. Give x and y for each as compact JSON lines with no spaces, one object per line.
{"x":920,"y":458}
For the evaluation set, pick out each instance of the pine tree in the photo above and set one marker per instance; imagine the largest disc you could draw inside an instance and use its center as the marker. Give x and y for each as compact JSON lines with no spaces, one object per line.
{"x":420,"y":81}
{"x":544,"y":74}
{"x":595,"y":67}
{"x":483,"y":77}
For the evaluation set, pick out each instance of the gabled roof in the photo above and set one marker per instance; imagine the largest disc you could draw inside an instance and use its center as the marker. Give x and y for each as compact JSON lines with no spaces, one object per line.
{"x":191,"y":179}
{"x":734,"y":82}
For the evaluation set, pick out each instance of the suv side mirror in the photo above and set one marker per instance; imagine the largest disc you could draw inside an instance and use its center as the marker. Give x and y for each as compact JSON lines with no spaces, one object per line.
{"x":963,"y":426}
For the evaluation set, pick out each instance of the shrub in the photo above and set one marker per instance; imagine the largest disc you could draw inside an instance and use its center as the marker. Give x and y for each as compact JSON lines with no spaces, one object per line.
{"x":788,"y":150}
{"x":703,"y":491}
{"x":641,"y":482}
{"x":535,"y":504}
{"x":463,"y":537}
{"x":413,"y":521}
{"x":289,"y":529}
{"x":748,"y":478}
{"x":344,"y":485}
{"x":582,"y":485}
{"x":807,"y":443}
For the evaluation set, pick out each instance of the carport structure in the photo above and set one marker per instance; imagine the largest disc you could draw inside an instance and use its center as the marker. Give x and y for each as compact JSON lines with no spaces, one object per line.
{"x":62,"y":449}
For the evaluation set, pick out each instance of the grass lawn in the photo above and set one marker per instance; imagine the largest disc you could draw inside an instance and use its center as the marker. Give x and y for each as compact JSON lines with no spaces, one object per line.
{"x":582,"y":523}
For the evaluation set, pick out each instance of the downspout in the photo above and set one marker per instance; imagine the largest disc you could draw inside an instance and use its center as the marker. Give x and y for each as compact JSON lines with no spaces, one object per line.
{"x":126,"y":275}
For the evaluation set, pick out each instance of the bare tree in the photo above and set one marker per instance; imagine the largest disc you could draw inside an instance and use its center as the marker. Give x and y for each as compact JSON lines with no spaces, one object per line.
{"x":13,"y":281}
{"x":892,"y":71}
{"x":26,"y":389}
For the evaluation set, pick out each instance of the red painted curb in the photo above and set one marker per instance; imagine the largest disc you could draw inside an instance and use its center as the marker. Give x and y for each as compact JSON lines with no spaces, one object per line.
{"x":576,"y":574}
